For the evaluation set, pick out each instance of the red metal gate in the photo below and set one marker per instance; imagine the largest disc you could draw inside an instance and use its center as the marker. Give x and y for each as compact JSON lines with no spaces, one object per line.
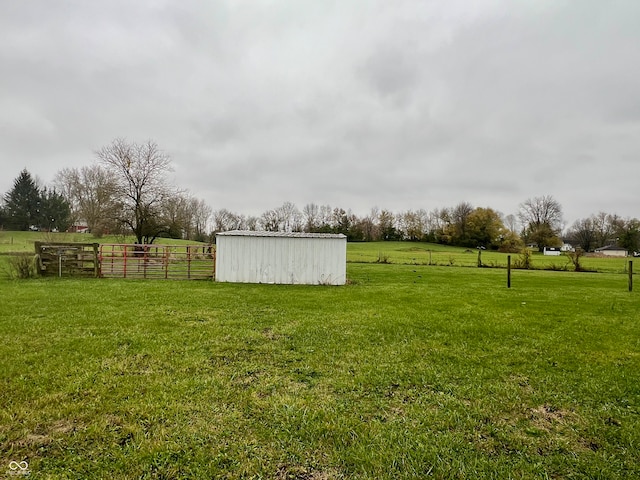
{"x":157,"y":261}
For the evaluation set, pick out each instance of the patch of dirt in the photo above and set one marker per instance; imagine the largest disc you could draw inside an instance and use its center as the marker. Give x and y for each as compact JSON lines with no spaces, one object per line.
{"x":270,"y":334}
{"x":547,"y":416}
{"x":536,"y":429}
{"x":63,"y":426}
{"x":32,"y":440}
{"x":300,"y":472}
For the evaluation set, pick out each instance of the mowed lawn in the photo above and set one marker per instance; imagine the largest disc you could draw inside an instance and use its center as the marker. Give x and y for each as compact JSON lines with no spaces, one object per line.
{"x":409,"y":371}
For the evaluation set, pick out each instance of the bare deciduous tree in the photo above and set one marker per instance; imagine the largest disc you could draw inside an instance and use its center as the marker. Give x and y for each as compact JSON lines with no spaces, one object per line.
{"x":141,"y":189}
{"x":252,"y":223}
{"x":270,"y":220}
{"x":290,"y":218}
{"x":326,"y":216}
{"x":311,"y":215}
{"x":225,"y":220}
{"x":370,"y":230}
{"x":541,"y":210}
{"x":92,"y":193}
{"x":583,"y":234}
{"x":511,"y":222}
{"x":412,"y":225}
{"x":605,"y":226}
{"x":542,"y":220}
{"x":200,"y":215}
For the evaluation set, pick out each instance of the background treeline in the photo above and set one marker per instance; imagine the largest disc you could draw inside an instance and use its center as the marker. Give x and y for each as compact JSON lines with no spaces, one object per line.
{"x":126,"y":192}
{"x":461,"y":225}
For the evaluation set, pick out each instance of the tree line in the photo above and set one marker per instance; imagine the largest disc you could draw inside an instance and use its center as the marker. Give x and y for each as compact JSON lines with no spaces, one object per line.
{"x":126,"y":191}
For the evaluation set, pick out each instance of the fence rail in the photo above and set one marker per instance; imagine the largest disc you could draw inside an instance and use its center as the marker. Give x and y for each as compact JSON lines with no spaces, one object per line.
{"x":157,"y":261}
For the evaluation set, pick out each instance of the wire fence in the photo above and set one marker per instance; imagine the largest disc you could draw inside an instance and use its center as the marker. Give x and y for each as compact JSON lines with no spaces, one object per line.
{"x":192,"y":262}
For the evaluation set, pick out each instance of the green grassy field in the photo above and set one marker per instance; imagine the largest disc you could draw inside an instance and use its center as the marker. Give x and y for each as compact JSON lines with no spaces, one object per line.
{"x":409,"y":371}
{"x":23,"y":242}
{"x":441,"y":255}
{"x":406,"y":253}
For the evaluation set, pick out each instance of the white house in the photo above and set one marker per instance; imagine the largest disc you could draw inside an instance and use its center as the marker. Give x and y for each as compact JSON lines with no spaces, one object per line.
{"x":553,"y":251}
{"x":567,"y":247}
{"x":612,"y":251}
{"x":277,"y":257}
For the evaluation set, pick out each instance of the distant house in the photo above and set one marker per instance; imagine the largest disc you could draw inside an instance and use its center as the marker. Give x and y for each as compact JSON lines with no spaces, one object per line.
{"x":612,"y":251}
{"x":553,"y":251}
{"x":78,"y":227}
{"x":567,"y":247}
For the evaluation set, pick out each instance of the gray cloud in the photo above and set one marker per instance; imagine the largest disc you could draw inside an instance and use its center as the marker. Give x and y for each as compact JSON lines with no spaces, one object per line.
{"x":400,"y":105}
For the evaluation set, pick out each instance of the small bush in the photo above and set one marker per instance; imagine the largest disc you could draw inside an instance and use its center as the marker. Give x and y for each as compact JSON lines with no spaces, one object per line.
{"x":574,"y":258}
{"x":382,"y":258}
{"x":22,"y":266}
{"x":524,"y":261}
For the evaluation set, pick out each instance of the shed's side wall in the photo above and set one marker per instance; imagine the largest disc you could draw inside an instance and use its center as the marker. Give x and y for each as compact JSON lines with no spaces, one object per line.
{"x":614,"y":253}
{"x":252,"y":259}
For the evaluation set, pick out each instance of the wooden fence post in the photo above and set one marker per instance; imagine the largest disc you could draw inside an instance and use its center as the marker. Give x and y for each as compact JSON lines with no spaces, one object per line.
{"x":508,"y":271}
{"x":630,"y":275}
{"x":96,"y":260}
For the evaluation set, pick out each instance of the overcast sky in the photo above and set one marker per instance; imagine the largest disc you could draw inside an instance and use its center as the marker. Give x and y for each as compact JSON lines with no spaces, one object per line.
{"x":396,"y":104}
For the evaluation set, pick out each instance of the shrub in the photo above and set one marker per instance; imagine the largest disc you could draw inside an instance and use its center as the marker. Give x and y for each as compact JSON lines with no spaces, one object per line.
{"x":524,"y":261}
{"x":22,"y":266}
{"x":510,"y":243}
{"x":574,"y":258}
{"x":383,"y":258}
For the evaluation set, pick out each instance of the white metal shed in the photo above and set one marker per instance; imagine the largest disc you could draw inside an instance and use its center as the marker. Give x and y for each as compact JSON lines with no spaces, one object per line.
{"x":277,"y":257}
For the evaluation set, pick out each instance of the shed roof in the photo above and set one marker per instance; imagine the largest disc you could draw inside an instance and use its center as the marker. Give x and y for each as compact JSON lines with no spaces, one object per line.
{"x":252,"y":233}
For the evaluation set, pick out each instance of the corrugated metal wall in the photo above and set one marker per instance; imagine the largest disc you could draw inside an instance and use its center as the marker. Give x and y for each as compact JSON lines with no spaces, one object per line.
{"x":299,"y":259}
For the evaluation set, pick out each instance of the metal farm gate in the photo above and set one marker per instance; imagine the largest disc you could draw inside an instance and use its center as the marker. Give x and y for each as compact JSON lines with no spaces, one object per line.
{"x":191,"y":262}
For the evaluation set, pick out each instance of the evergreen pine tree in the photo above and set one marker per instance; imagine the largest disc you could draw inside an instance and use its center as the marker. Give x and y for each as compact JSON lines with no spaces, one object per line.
{"x":22,"y":203}
{"x":55,"y":211}
{"x":3,"y":216}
